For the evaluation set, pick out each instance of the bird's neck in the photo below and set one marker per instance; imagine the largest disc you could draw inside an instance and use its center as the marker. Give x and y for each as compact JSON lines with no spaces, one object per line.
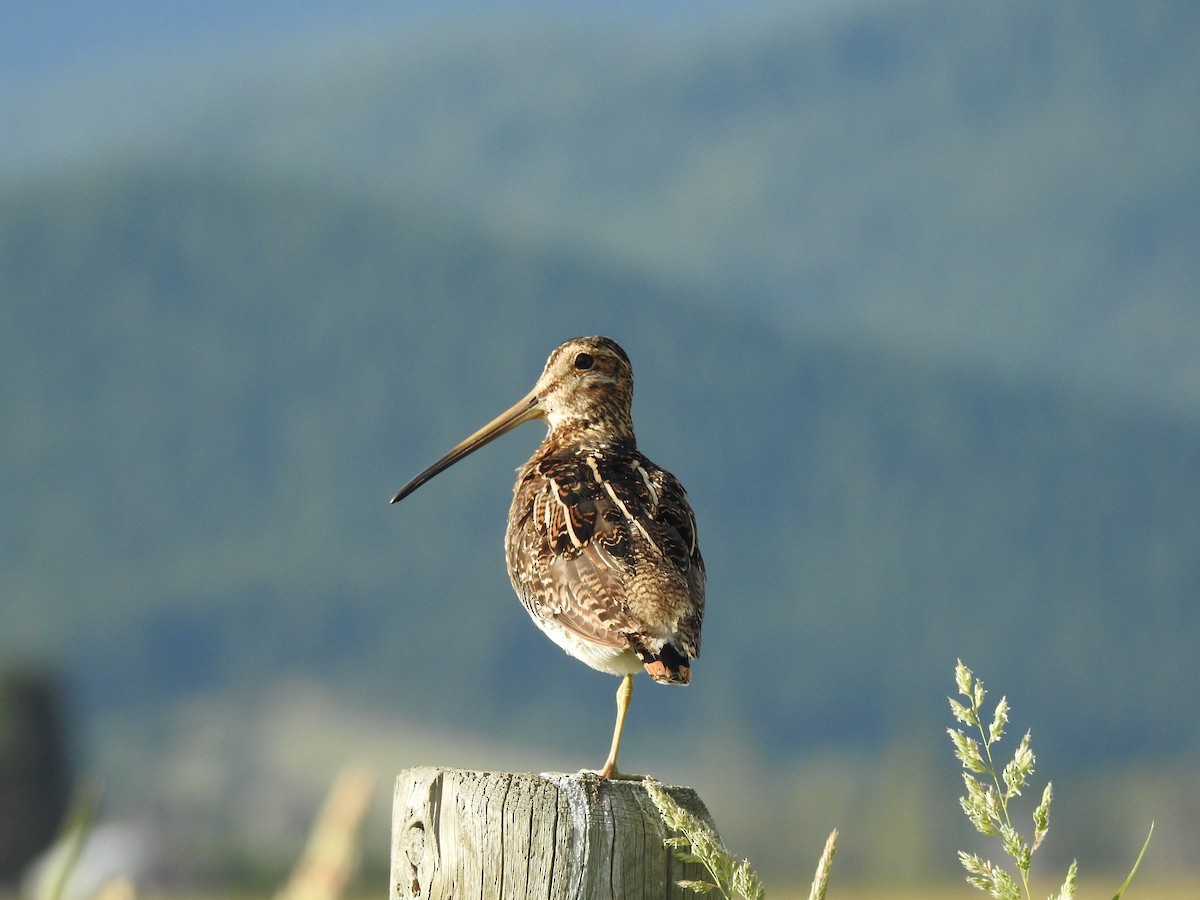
{"x":587,"y":434}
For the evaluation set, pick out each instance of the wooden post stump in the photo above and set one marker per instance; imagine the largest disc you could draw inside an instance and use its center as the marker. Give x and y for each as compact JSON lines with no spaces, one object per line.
{"x":496,"y":835}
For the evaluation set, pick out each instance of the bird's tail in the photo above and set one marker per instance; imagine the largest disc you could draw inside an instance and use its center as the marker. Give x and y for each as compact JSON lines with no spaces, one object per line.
{"x":668,"y":666}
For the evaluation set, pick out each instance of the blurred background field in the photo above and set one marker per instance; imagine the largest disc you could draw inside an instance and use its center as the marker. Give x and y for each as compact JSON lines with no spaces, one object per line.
{"x":1158,"y":890}
{"x":911,"y":293}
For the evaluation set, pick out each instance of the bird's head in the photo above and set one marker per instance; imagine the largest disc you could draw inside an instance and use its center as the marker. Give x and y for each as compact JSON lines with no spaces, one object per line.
{"x":584,"y":392}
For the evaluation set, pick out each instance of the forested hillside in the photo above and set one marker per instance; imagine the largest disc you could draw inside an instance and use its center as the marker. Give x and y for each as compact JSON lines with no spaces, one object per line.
{"x":1006,"y":185}
{"x":213,"y":385}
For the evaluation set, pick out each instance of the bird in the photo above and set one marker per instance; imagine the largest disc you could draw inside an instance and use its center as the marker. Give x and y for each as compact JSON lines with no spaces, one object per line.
{"x":601,"y":543}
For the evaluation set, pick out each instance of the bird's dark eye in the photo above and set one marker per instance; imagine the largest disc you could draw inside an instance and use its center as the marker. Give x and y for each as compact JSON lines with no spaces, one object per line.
{"x":584,"y":361}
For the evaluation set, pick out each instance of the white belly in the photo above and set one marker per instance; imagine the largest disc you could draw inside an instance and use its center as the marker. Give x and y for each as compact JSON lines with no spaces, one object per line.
{"x":613,"y":660}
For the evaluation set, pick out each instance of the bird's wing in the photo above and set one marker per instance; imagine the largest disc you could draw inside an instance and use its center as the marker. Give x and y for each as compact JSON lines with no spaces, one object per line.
{"x":591,"y":599}
{"x":598,"y":527}
{"x":673,"y":529}
{"x":575,"y":555}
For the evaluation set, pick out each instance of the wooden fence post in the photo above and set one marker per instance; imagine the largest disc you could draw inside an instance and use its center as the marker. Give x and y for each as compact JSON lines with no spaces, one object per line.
{"x":498,"y":835}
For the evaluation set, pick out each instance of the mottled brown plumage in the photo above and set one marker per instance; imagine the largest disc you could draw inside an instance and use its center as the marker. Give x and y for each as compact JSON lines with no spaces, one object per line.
{"x":601,"y":543}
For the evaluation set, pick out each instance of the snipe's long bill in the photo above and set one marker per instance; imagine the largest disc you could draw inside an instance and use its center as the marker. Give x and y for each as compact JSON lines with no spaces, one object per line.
{"x":601,"y":543}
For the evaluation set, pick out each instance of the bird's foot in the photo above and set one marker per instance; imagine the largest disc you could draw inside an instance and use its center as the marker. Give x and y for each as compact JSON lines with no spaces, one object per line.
{"x":610,"y":773}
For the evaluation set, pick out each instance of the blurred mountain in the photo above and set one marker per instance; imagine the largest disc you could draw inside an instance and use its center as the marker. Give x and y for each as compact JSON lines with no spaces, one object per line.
{"x":909,"y":291}
{"x":1002,"y":185}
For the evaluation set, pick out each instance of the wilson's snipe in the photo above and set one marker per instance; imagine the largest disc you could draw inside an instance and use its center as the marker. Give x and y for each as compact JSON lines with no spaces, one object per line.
{"x":601,"y":543}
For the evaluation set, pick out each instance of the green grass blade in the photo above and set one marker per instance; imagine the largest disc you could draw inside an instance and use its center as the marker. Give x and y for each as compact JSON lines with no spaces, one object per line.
{"x":1137,"y":862}
{"x":80,"y":818}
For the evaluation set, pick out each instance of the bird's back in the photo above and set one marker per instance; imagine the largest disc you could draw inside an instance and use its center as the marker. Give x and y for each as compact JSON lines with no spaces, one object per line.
{"x":602,"y":551}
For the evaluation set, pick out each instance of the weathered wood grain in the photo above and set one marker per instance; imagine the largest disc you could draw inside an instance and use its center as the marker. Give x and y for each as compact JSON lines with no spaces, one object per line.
{"x":461,"y":834}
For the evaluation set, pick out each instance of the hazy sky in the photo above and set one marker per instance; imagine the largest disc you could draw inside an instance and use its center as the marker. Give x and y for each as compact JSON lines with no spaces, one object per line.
{"x":42,"y":40}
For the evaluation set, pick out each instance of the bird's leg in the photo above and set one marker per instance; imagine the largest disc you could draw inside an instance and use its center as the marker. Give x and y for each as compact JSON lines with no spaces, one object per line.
{"x":624,"y":693}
